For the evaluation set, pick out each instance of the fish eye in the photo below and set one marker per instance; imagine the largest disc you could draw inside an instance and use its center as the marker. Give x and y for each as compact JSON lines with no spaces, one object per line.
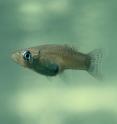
{"x":27,"y":55}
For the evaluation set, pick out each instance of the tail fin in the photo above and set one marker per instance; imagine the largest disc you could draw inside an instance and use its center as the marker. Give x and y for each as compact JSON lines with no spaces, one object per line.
{"x":95,"y":63}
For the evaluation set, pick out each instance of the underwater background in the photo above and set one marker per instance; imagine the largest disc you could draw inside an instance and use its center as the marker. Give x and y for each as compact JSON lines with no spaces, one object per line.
{"x":73,"y":97}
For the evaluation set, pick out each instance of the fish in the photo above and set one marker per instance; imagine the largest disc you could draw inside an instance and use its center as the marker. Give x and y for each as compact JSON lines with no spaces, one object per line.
{"x":52,"y":59}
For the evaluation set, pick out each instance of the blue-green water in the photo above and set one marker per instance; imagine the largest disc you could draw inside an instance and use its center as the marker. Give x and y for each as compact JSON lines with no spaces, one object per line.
{"x":74,"y":96}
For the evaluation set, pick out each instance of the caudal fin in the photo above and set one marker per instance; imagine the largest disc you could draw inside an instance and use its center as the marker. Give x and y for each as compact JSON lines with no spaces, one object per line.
{"x":96,"y":63}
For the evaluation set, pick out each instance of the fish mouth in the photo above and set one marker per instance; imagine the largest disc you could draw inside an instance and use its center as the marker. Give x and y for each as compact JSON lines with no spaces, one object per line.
{"x":15,"y":56}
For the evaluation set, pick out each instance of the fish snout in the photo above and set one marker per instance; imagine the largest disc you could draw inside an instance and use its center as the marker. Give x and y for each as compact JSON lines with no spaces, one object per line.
{"x":15,"y":56}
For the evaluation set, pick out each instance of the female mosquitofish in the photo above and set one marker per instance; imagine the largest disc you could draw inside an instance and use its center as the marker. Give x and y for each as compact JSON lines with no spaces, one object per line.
{"x":51,"y":60}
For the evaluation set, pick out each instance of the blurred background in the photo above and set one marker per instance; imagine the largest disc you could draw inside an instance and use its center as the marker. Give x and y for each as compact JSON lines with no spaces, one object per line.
{"x":74,"y":96}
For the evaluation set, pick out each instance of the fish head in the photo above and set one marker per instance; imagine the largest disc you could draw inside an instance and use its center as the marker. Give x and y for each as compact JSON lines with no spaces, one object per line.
{"x":24,"y":57}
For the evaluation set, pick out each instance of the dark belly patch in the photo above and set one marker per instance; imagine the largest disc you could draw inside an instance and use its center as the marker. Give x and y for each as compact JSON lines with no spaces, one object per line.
{"x":49,"y":69}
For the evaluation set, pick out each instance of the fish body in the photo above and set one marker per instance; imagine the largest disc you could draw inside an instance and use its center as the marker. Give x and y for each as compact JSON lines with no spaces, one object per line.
{"x":53,"y":59}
